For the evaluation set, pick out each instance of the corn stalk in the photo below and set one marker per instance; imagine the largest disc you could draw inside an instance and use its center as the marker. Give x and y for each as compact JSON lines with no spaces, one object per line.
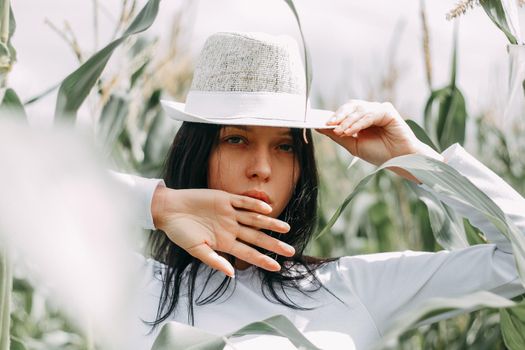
{"x":6,"y":285}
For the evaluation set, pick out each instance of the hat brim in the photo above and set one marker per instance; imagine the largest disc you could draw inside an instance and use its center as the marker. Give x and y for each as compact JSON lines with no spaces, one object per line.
{"x":315,"y":118}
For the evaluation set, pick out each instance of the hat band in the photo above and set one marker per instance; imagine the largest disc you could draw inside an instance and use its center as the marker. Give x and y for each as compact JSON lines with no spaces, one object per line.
{"x":234,"y":104}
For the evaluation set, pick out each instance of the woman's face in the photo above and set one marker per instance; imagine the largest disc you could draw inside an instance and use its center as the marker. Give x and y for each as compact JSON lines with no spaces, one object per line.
{"x":257,"y":161}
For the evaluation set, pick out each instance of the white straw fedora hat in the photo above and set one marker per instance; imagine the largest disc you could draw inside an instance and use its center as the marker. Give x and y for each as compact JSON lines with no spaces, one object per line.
{"x":249,"y":79}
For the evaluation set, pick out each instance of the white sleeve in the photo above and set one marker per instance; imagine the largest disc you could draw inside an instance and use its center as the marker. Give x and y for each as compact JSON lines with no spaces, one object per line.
{"x":141,"y":191}
{"x":389,"y":284}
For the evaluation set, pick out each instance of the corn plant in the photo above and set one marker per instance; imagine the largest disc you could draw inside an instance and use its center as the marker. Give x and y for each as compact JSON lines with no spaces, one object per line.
{"x":132,"y":132}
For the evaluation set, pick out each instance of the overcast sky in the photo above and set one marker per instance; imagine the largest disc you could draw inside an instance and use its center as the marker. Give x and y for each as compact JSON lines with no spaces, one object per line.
{"x":349,"y":42}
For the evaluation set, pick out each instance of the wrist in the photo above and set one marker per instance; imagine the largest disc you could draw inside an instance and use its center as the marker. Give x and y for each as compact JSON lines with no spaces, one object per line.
{"x":421,"y":149}
{"x":158,"y":205}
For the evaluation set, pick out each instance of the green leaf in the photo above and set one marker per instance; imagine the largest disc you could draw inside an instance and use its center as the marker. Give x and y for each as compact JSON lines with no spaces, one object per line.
{"x":438,"y":308}
{"x":447,"y":226}
{"x":17,"y":344}
{"x":76,"y":87}
{"x":454,"y":65}
{"x":452,"y":120}
{"x":12,"y":21}
{"x":12,"y":28}
{"x":307,"y":57}
{"x":8,"y":51}
{"x":6,"y":286}
{"x":496,"y":13}
{"x":12,"y":106}
{"x":362,"y":184}
{"x":112,"y":120}
{"x":42,"y":94}
{"x":277,"y":325}
{"x":178,"y":336}
{"x":445,"y":114}
{"x":445,"y":180}
{"x":138,"y":73}
{"x":513,"y":327}
{"x":474,"y":235}
{"x":421,"y":134}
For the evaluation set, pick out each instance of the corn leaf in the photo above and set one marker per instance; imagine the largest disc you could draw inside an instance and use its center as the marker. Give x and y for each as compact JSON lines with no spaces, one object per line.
{"x":42,"y":94}
{"x":421,"y":134}
{"x":307,"y":57}
{"x":362,"y":184}
{"x":277,"y":325}
{"x":10,"y":51}
{"x":513,"y":326}
{"x":12,"y":106}
{"x":504,"y":15}
{"x":445,"y":114}
{"x":17,"y":344}
{"x":177,"y":336}
{"x":76,"y":87}
{"x":444,"y":179}
{"x":6,"y":283}
{"x":447,"y":226}
{"x":112,"y":121}
{"x":438,"y":308}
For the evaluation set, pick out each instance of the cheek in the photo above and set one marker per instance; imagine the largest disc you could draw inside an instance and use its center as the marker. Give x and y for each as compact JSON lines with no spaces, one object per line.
{"x":287,"y":187}
{"x":221,"y":175}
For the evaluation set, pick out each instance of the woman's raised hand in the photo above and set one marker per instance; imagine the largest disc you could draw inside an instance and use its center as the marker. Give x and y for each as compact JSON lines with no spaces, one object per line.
{"x":205,"y":221}
{"x":374,"y":132}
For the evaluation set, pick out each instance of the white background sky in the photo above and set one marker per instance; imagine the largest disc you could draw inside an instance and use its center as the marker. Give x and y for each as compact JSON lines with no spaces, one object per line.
{"x":349,"y":42}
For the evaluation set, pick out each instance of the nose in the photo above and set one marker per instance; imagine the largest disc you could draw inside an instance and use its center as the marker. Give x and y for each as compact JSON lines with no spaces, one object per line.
{"x":259,"y":165}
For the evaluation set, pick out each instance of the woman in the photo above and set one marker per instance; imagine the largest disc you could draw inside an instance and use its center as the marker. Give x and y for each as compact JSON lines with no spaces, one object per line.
{"x":245,"y":204}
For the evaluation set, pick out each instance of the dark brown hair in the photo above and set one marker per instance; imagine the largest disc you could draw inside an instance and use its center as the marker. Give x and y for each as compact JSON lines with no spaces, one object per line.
{"x":186,"y":167}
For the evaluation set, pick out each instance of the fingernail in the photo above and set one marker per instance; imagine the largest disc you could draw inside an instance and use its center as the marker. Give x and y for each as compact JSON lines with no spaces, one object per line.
{"x":274,"y":264}
{"x":285,"y":226}
{"x":231,"y":272}
{"x":289,"y":249}
{"x":333,"y":119}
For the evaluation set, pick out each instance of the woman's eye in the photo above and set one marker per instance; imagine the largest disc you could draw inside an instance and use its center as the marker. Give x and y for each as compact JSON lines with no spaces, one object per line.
{"x":286,"y":147}
{"x":234,"y":140}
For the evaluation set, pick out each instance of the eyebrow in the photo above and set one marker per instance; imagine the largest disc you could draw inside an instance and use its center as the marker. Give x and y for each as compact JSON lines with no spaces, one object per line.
{"x":250,"y":129}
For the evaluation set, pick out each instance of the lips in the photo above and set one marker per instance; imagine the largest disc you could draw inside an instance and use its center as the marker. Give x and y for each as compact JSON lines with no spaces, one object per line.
{"x":258,"y":195}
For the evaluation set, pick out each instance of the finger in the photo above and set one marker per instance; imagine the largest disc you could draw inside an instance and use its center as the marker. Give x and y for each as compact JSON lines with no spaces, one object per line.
{"x":204,"y":253}
{"x":350,"y":119}
{"x":254,"y":257}
{"x":363,"y":123}
{"x":261,"y":239}
{"x":262,"y":222}
{"x":342,"y":112}
{"x":251,"y":204}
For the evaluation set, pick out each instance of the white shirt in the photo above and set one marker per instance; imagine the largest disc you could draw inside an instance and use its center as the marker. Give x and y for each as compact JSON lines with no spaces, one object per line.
{"x":376,"y":288}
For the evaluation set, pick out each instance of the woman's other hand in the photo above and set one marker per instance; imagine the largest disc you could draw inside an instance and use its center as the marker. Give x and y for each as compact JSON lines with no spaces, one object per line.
{"x":375,"y":132}
{"x":205,"y":221}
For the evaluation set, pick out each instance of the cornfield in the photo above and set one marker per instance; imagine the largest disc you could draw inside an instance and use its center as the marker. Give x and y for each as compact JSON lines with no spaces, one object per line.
{"x":371,"y":211}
